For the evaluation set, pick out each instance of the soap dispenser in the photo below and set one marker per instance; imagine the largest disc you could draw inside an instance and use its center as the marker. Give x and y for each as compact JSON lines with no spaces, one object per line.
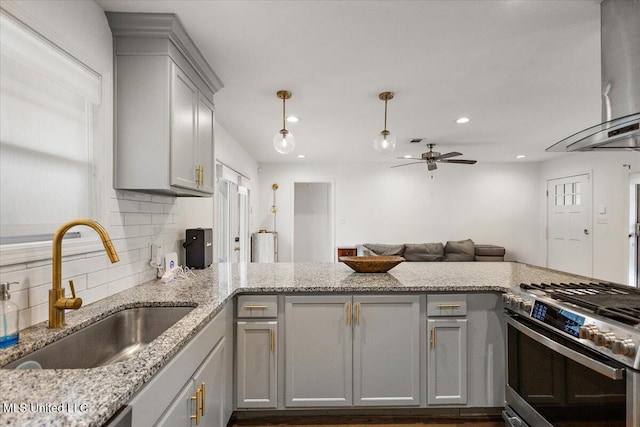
{"x":8,"y":318}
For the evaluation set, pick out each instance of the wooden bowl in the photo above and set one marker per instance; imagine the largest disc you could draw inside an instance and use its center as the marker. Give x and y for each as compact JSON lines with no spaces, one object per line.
{"x":371,"y":264}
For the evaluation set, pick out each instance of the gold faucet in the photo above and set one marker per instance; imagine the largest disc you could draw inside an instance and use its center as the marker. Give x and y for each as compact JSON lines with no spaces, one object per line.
{"x":57,"y":301}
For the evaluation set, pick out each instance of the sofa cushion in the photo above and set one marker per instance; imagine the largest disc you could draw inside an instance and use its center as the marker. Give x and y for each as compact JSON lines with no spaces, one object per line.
{"x":424,"y":252}
{"x":462,"y":250}
{"x":490,"y":250}
{"x":485,"y":258}
{"x":385,"y":250}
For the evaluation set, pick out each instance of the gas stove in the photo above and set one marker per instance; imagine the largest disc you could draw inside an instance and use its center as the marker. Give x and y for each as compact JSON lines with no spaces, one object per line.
{"x":604,"y":317}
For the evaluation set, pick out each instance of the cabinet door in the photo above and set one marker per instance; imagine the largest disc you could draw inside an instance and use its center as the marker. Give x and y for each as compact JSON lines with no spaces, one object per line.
{"x":386,"y":350}
{"x":205,"y":144}
{"x":184,"y":95}
{"x":181,"y":409}
{"x":210,"y":377}
{"x":256,"y":381}
{"x":318,"y":350}
{"x":447,"y":361}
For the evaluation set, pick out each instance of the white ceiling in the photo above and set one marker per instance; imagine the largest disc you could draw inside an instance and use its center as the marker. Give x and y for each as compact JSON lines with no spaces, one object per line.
{"x":527,"y":73}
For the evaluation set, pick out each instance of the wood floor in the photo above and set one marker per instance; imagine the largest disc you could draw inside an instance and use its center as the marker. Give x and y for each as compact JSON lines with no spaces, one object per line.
{"x":370,"y":421}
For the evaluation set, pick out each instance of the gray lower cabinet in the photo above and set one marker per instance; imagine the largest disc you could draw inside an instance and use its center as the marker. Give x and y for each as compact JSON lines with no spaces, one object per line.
{"x":197,"y":382}
{"x":352,"y":350}
{"x":318,"y":351}
{"x":201,"y":401}
{"x":447,"y":361}
{"x":257,"y":362}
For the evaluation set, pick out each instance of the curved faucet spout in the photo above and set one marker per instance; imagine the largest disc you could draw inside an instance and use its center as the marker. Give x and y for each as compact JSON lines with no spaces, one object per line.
{"x":58,"y":303}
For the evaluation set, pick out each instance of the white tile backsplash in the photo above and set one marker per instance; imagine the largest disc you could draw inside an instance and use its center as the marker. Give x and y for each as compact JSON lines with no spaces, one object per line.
{"x":135,"y":221}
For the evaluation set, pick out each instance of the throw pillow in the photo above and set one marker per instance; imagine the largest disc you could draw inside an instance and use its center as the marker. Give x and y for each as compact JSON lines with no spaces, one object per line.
{"x":385,"y":250}
{"x":462,"y":250}
{"x":426,"y":252}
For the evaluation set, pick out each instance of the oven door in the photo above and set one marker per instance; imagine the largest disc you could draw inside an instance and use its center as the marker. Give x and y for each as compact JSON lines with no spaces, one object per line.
{"x":552,"y":381}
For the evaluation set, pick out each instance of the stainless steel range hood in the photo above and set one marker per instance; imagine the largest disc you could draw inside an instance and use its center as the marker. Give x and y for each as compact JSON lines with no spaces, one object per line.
{"x":620,"y":41}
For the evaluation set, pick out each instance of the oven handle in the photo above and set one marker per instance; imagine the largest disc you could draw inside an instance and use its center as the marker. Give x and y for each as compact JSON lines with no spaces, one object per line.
{"x":599,"y":367}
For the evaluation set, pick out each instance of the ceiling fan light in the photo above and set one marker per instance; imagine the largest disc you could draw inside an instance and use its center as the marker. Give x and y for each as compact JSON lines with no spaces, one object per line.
{"x":384,"y":143}
{"x":284,"y":142}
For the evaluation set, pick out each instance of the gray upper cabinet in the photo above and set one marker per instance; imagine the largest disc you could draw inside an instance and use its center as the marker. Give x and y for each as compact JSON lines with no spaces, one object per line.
{"x":164,"y":107}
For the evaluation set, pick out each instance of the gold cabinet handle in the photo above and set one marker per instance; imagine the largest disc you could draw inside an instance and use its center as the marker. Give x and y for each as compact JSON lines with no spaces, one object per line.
{"x":448,"y":305}
{"x":201,"y":175}
{"x":357,"y":313}
{"x":202,"y":386}
{"x":433,"y":337}
{"x":349,"y":313}
{"x":249,"y":307}
{"x":273,"y":340}
{"x":197,"y":399}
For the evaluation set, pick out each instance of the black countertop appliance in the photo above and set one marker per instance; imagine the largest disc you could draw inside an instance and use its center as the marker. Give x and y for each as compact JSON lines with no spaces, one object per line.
{"x":199,"y":247}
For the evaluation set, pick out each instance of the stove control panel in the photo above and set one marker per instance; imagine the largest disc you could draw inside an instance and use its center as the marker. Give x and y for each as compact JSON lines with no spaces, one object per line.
{"x":615,"y":341}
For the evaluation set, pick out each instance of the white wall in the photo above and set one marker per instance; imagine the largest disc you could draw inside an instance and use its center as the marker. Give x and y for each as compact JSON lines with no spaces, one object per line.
{"x":313,"y":222}
{"x":200,"y":212}
{"x":611,"y":190}
{"x":493,"y":203}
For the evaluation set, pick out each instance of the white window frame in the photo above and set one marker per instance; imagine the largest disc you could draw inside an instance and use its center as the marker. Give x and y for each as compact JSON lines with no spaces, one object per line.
{"x":21,"y":253}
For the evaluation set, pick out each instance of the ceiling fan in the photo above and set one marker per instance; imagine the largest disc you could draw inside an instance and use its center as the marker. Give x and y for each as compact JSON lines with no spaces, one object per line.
{"x":432,"y":157}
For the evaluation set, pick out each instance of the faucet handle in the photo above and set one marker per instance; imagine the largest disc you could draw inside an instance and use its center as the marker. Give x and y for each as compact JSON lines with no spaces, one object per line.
{"x":73,"y":289}
{"x":72,"y":303}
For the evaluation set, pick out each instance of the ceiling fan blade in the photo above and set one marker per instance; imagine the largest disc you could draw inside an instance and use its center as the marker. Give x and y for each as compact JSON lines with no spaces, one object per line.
{"x":432,"y":166}
{"x":409,"y":158}
{"x":460,"y":161}
{"x":447,"y":155}
{"x":406,"y":164}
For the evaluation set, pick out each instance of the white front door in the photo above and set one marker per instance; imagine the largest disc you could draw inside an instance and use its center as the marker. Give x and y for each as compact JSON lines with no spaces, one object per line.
{"x":569,"y":237}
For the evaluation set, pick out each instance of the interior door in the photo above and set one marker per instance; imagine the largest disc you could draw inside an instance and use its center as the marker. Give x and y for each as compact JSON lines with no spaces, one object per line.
{"x":569,"y":231}
{"x":312,"y":222}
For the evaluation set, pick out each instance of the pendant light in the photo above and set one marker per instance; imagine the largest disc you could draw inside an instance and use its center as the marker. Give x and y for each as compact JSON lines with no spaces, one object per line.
{"x":284,"y":142}
{"x":385,"y":143}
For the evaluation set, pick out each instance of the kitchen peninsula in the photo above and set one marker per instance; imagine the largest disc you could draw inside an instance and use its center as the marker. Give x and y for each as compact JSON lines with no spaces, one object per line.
{"x":100,"y":392}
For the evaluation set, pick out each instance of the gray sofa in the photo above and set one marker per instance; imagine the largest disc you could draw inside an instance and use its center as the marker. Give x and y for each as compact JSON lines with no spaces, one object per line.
{"x":452,"y":251}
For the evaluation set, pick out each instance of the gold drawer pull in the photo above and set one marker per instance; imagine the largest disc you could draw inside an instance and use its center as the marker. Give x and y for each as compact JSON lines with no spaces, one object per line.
{"x":249,"y":307}
{"x":448,"y":305}
{"x":197,"y":398}
{"x":202,"y":400}
{"x":273,"y":340}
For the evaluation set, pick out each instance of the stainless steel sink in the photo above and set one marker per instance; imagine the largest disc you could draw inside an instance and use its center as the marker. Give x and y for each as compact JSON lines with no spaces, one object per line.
{"x":112,"y":339}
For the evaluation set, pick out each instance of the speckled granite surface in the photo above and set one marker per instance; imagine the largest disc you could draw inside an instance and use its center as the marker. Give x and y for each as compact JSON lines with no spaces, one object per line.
{"x":89,"y":397}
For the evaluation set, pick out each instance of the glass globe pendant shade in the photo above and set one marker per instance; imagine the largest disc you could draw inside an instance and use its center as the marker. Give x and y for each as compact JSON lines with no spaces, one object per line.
{"x":384,"y":143}
{"x":284,"y":142}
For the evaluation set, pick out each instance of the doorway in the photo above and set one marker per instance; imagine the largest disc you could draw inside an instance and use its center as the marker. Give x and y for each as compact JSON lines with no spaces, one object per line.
{"x":569,"y":232}
{"x":232,"y":216}
{"x":313,"y":222}
{"x":634,"y":229}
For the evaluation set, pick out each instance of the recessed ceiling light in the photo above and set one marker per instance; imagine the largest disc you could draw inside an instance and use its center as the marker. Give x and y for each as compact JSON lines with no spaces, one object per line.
{"x":520,"y":156}
{"x":463,"y":120}
{"x":301,"y":156}
{"x":293,"y":119}
{"x":408,"y":156}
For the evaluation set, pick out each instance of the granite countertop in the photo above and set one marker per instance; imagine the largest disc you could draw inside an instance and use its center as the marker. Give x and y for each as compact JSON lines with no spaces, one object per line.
{"x":89,"y":397}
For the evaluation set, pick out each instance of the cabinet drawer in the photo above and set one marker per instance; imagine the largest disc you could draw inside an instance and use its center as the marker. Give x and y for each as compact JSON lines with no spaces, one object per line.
{"x":446,"y":305}
{"x":257,"y":306}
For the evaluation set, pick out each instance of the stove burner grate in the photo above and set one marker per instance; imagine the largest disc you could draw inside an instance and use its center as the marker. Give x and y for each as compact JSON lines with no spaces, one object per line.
{"x":616,"y":302}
